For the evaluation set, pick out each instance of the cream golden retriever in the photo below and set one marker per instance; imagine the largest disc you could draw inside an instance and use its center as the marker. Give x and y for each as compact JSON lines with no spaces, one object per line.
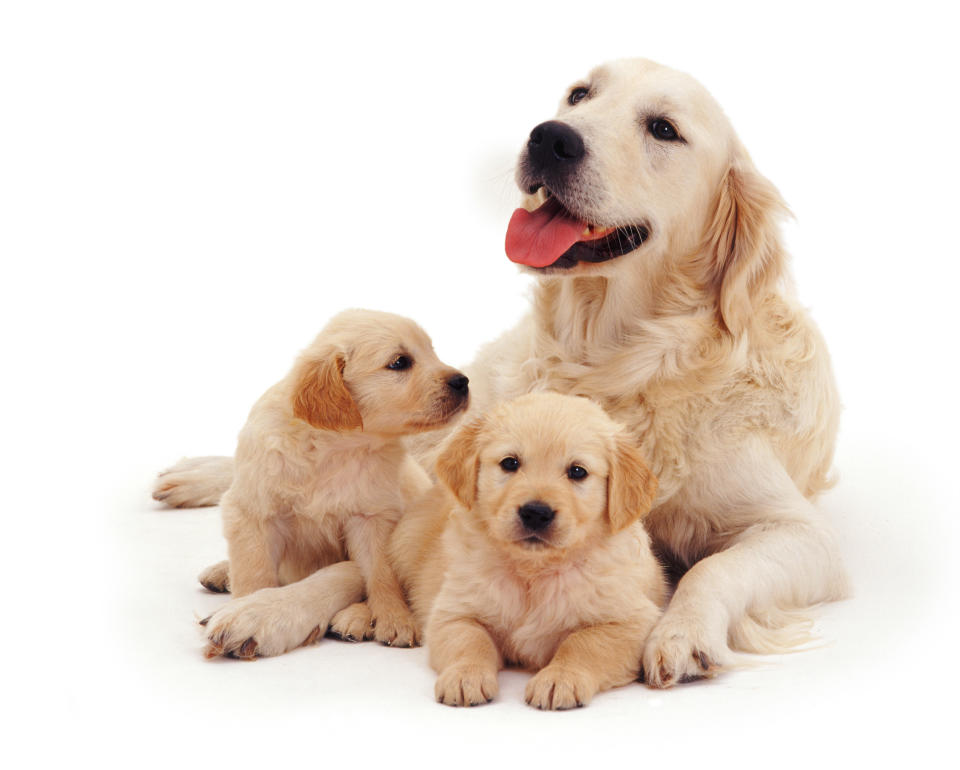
{"x":533,"y":554}
{"x":663,"y":296}
{"x":321,"y":474}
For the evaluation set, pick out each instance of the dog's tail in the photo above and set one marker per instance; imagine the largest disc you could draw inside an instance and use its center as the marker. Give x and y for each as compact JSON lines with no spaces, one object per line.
{"x":194,"y":482}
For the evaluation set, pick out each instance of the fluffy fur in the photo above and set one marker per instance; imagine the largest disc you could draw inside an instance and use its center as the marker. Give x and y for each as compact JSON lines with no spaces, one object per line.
{"x":321,"y":475}
{"x":694,"y":343}
{"x":577,"y":599}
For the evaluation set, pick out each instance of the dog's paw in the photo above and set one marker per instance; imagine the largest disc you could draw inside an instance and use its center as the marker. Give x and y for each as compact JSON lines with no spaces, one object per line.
{"x":353,"y":623}
{"x":680,"y":650}
{"x":556,"y":688}
{"x":261,"y":624}
{"x":194,"y":482}
{"x":466,"y":685}
{"x":395,"y":627}
{"x":216,"y":577}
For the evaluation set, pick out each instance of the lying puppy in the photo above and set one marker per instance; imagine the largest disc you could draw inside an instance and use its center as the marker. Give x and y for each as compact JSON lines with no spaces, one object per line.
{"x":537,"y":557}
{"x":320,"y":465}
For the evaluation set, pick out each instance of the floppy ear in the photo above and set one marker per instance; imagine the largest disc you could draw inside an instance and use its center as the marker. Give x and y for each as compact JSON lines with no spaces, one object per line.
{"x":320,"y":396}
{"x":745,"y":247}
{"x":631,"y":485}
{"x":457,"y":466}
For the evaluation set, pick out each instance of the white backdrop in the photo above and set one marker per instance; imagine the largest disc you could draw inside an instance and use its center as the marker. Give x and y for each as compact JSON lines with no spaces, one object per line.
{"x":188,"y":190}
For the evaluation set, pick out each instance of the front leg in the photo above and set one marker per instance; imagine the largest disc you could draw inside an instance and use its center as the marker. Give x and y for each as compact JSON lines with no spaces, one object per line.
{"x":367,"y":538}
{"x":467,"y":659}
{"x":250,"y":549}
{"x":783,"y":557}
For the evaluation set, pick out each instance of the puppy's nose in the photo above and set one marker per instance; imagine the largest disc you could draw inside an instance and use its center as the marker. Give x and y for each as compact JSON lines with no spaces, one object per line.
{"x":536,"y":515}
{"x":458,"y":384}
{"x":554,"y":145}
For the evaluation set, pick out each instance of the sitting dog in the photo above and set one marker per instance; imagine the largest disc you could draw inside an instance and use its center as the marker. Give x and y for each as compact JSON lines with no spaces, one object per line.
{"x":534,"y":554}
{"x":322,"y":474}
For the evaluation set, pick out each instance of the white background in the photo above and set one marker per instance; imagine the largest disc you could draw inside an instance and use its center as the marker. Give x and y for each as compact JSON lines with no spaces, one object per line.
{"x":188,"y":190}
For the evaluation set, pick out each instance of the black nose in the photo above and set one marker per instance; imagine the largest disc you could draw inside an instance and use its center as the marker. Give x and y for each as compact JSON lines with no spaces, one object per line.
{"x":458,"y":384}
{"x":535,"y":515}
{"x":554,"y":145}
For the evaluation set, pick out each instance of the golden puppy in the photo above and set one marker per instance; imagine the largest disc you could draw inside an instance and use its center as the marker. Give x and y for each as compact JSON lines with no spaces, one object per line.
{"x":322,"y":475}
{"x":542,"y":562}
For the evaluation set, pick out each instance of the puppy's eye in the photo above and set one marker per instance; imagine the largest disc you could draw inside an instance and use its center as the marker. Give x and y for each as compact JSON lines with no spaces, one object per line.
{"x":662,"y":129}
{"x":576,"y":95}
{"x":400,"y":363}
{"x":510,"y":464}
{"x":576,"y":473}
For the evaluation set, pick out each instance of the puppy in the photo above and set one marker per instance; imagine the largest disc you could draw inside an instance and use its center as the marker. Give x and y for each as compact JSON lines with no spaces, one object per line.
{"x":322,"y":474}
{"x":534,"y":555}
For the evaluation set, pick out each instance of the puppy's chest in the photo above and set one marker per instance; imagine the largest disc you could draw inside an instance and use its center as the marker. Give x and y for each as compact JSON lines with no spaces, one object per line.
{"x":345,"y":483}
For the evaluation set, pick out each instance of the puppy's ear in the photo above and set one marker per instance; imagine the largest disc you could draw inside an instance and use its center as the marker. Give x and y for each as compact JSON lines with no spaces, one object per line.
{"x":631,"y":485}
{"x":320,"y":396}
{"x":744,"y":242}
{"x":457,"y":466}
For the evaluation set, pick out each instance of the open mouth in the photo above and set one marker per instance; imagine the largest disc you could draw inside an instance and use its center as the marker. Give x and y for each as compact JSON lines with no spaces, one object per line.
{"x":553,"y":237}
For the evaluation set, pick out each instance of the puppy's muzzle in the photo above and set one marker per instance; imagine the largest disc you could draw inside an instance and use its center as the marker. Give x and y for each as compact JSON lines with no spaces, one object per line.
{"x":554,"y":151}
{"x":536,"y":516}
{"x":458,"y":384}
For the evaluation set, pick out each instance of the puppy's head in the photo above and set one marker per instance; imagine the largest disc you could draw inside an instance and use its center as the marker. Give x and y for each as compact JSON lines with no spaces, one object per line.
{"x":375,"y":372}
{"x":640,"y":166}
{"x":547,"y":475}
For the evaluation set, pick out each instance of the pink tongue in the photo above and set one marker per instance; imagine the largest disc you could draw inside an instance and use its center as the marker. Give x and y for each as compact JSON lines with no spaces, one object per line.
{"x":538,"y":238}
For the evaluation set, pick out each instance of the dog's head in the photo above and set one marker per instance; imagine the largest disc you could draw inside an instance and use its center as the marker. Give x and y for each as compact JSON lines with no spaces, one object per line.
{"x":547,"y":475}
{"x":375,"y":372}
{"x":640,"y":163}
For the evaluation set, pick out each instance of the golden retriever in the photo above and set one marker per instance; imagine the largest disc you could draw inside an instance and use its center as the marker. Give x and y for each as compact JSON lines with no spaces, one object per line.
{"x":321,"y":473}
{"x":534,"y":554}
{"x":663,"y":294}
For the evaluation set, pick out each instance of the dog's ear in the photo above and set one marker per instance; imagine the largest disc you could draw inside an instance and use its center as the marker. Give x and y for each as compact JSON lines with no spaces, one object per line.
{"x":458,"y":463}
{"x":320,"y":396}
{"x":631,"y":485}
{"x":747,"y":255}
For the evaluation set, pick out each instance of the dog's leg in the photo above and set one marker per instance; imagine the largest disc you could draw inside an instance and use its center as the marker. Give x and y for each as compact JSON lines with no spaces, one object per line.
{"x":275,"y":620}
{"x":194,"y":482}
{"x":591,"y":660}
{"x":467,"y":660}
{"x":367,"y":538}
{"x":251,"y":549}
{"x":782,"y":557}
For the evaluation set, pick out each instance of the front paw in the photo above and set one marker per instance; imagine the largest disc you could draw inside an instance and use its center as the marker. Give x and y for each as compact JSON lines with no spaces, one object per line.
{"x":556,"y":688}
{"x":260,"y":624}
{"x":395,"y":627}
{"x":353,"y":623}
{"x":466,"y":685}
{"x":681,"y":650}
{"x":216,"y":577}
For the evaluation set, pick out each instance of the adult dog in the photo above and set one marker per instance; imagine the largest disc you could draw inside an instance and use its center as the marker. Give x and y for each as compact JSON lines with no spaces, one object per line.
{"x":662,"y":296}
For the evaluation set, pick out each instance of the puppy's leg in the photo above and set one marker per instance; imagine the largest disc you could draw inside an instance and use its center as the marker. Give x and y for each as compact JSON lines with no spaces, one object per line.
{"x":216,"y":577}
{"x":467,"y":659}
{"x":590,"y":660}
{"x":367,"y":538}
{"x":275,"y":620}
{"x":194,"y":482}
{"x":252,"y":548}
{"x":786,"y":558}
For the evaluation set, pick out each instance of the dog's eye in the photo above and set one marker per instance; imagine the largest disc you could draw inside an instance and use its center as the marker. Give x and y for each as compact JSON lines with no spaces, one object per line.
{"x":576,"y":473}
{"x":662,"y":129}
{"x":510,"y":464}
{"x":400,"y":363}
{"x":577,"y":95}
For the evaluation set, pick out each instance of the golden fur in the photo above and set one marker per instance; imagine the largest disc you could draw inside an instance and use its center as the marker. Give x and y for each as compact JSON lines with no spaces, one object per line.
{"x":321,"y":474}
{"x":694,"y":343}
{"x":576,"y":604}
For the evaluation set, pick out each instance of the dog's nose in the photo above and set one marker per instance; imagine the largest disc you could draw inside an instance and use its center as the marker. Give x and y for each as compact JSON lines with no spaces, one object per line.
{"x":554,"y":145}
{"x":458,"y":384}
{"x":536,"y":515}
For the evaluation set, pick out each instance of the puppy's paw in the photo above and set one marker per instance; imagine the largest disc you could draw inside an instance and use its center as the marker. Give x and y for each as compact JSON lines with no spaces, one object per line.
{"x":216,"y":577}
{"x":261,"y":624}
{"x":395,"y":627}
{"x":680,"y":650}
{"x":557,"y":687}
{"x":466,"y":685}
{"x":194,"y":482}
{"x":353,"y":623}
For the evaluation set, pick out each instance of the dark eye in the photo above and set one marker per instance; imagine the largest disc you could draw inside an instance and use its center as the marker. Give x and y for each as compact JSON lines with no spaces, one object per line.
{"x":400,"y":363}
{"x":576,"y":473}
{"x":662,"y":129}
{"x":576,"y":95}
{"x":510,"y":464}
